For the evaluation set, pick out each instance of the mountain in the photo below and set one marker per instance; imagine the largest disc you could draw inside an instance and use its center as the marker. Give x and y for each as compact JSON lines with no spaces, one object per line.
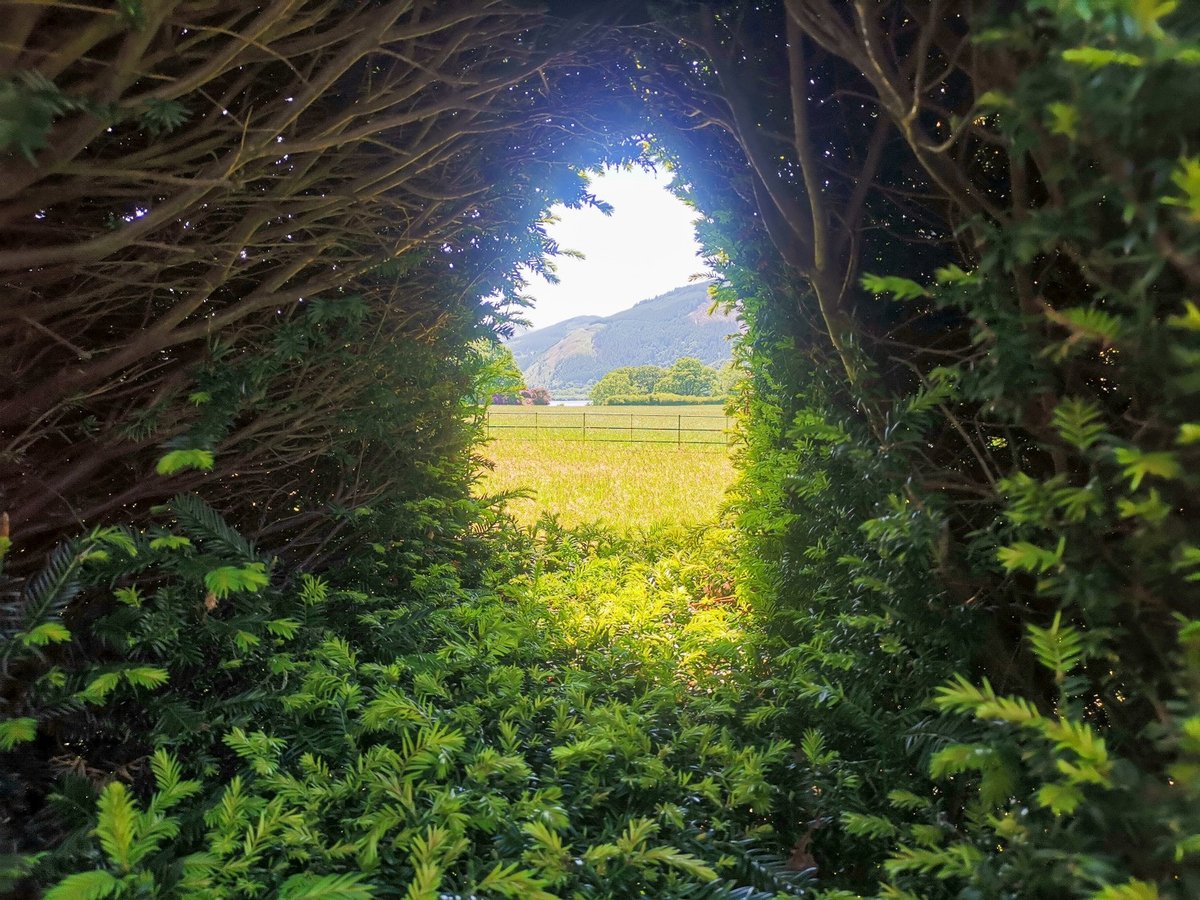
{"x":571,"y":356}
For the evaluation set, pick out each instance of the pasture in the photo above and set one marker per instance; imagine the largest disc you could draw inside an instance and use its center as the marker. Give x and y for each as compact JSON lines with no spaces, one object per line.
{"x":704,"y":426}
{"x":623,"y":486}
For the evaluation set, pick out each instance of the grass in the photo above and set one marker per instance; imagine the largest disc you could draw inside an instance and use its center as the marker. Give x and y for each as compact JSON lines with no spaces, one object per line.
{"x":621,"y":486}
{"x":716,"y":410}
{"x":676,"y":425}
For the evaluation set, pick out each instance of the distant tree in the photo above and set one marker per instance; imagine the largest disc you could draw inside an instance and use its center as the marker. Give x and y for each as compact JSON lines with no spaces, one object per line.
{"x":728,"y":377}
{"x":615,"y":382}
{"x":644,"y":378}
{"x":498,"y":377}
{"x":688,"y":376}
{"x":538,"y":396}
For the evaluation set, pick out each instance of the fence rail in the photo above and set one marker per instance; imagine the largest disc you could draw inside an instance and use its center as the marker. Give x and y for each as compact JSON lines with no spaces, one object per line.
{"x":624,"y":428}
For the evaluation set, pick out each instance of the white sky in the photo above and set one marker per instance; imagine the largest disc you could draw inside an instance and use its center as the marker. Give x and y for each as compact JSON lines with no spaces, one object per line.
{"x":645,"y":248}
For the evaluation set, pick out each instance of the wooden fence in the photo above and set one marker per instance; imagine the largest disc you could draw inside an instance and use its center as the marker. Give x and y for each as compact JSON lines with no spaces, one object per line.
{"x":680,"y":429}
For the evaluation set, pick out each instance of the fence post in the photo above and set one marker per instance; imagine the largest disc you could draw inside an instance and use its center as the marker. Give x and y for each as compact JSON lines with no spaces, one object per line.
{"x":631,"y":428}
{"x":585,"y":427}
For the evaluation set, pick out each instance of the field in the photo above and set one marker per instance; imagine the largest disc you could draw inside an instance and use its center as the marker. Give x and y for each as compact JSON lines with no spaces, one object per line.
{"x":623,"y":486}
{"x":677,"y":425}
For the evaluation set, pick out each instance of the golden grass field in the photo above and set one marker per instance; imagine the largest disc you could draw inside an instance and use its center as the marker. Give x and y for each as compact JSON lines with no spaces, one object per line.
{"x":626,"y":486}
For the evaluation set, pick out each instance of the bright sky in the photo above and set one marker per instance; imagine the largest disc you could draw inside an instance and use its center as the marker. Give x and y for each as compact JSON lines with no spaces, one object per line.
{"x":645,"y":248}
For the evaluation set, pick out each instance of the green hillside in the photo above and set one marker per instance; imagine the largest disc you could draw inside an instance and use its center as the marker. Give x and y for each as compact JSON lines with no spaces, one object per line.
{"x":573,"y":355}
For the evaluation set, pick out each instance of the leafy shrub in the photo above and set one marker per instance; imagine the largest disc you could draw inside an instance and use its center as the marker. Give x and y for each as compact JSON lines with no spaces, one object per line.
{"x":989,"y":469}
{"x":686,"y":377}
{"x":657,"y":399}
{"x":533,"y":735}
{"x":203,"y":299}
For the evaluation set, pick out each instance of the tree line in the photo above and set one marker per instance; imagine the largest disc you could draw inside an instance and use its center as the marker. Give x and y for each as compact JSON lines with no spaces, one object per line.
{"x":686,"y":378}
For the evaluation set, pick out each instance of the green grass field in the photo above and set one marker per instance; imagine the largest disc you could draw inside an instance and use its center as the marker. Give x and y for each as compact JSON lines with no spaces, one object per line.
{"x":623,"y":486}
{"x":674,"y":425}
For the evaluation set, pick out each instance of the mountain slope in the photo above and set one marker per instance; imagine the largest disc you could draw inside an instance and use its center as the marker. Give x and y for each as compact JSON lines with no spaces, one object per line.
{"x":573,"y":355}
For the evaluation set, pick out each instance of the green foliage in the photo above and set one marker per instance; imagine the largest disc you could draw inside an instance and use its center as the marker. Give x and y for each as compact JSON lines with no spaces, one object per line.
{"x":228,"y":580}
{"x":899,"y":288}
{"x":1096,"y":57}
{"x":615,"y":383}
{"x":1078,"y":422}
{"x":688,"y":377}
{"x":163,"y":116}
{"x":498,"y":374}
{"x":983,"y":499}
{"x":643,"y":378}
{"x":29,"y":105}
{"x":17,"y":731}
{"x":93,"y":885}
{"x":686,"y":382}
{"x":179,"y":460}
{"x":310,"y":887}
{"x":575,"y":722}
{"x":657,"y":399}
{"x":128,"y":836}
